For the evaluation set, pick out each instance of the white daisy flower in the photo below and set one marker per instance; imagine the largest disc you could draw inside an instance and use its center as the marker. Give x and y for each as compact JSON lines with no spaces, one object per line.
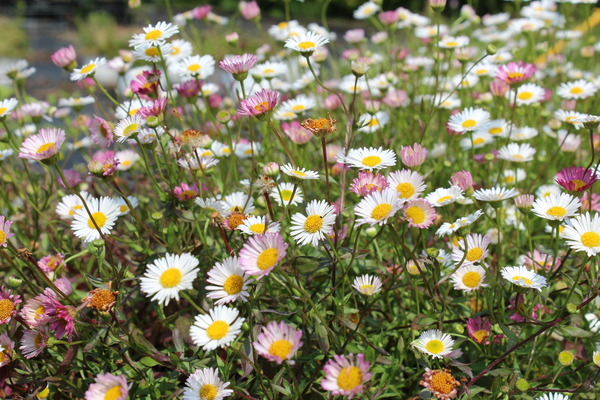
{"x":218,"y":328}
{"x":123,"y":207}
{"x":576,"y":90}
{"x":494,"y":128}
{"x":366,"y":10}
{"x":268,"y":70}
{"x":477,"y":140}
{"x":444,"y":196}
{"x":523,"y":133}
{"x":246,"y":150}
{"x":238,"y":202}
{"x":284,"y":194}
{"x":168,"y":275}
{"x":299,"y":173}
{"x":180,"y":50}
{"x":104,"y":213}
{"x":227,"y":282}
{"x":220,"y":149}
{"x":212,"y":205}
{"x":128,"y":127}
{"x":475,"y":252}
{"x":299,"y":104}
{"x":6,"y":153}
{"x":495,"y":194}
{"x":377,"y":207}
{"x":154,"y":34}
{"x":152,"y":53}
{"x":88,"y":69}
{"x":583,"y":233}
{"x":7,"y":106}
{"x":205,"y":384}
{"x":367,"y":284}
{"x":409,"y":184}
{"x":306,"y":43}
{"x":369,"y":158}
{"x":255,"y":225}
{"x":572,"y":118}
{"x":195,"y":67}
{"x":523,"y":277}
{"x":453,"y":42}
{"x":547,"y":190}
{"x":434,"y":343}
{"x":70,"y":204}
{"x":312,"y":227}
{"x":192,"y":163}
{"x":464,"y":82}
{"x":556,"y":207}
{"x":596,"y":358}
{"x":127,"y":158}
{"x":130,"y":108}
{"x":370,"y":123}
{"x":527,"y":94}
{"x":469,"y":119}
{"x":468,"y":278}
{"x":517,"y":152}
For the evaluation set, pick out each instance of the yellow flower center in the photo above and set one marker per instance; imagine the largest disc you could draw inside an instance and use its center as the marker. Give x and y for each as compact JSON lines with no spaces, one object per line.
{"x":257,"y":228}
{"x":131,"y":128}
{"x":522,"y":278}
{"x":415,"y":214}
{"x":87,"y":69}
{"x":298,"y":173}
{"x":590,"y":239}
{"x":171,"y":278}
{"x":349,"y":378}
{"x":495,"y":131}
{"x":367,"y":289}
{"x":233,"y":284}
{"x":298,"y":107}
{"x":443,"y":199}
{"x":478,"y":140}
{"x":208,"y":392}
{"x":3,"y":110}
{"x":373,"y":122}
{"x":99,"y":218}
{"x":45,"y":147}
{"x":6,"y":309}
{"x":474,"y":254}
{"x":282,"y":25}
{"x":578,"y":183}
{"x":152,"y":52}
{"x":306,"y":45}
{"x":525,"y":95}
{"x":262,"y":106}
{"x":471,"y":279}
{"x":268,"y":71}
{"x":515,"y":75}
{"x":313,"y":223}
{"x":469,"y":123}
{"x":556,"y":211}
{"x":44,"y":393}
{"x":481,"y":71}
{"x":435,"y":346}
{"x":194,"y":67}
{"x":280,"y":348}
{"x":517,"y":157}
{"x":286,"y":195}
{"x":371,"y":161}
{"x":381,"y":211}
{"x":405,"y":190}
{"x":176,"y":50}
{"x":576,"y":90}
{"x":451,"y":44}
{"x":123,"y":208}
{"x":267,"y":259}
{"x":2,"y":237}
{"x":113,"y":393}
{"x":480,"y":335}
{"x":153,"y":35}
{"x":39,"y":312}
{"x":188,"y":194}
{"x":442,"y":382}
{"x":217,"y":330}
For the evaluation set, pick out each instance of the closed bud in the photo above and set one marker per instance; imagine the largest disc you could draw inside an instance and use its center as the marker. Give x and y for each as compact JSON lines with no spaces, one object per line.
{"x":153,"y":121}
{"x":156,"y":216}
{"x":565,"y":358}
{"x":491,"y":50}
{"x":223,"y":116}
{"x":359,"y":68}
{"x":14,"y":282}
{"x":522,"y":384}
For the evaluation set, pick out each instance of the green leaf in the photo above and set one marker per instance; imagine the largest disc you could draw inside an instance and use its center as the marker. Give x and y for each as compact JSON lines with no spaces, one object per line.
{"x":573,"y":331}
{"x":149,"y":362}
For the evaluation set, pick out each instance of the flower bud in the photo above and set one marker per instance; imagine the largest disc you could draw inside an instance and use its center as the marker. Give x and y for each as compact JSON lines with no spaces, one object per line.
{"x":522,"y":384}
{"x":565,"y":358}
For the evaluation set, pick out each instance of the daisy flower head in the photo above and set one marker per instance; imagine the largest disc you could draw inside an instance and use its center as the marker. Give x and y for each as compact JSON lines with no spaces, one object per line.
{"x":228,"y":282}
{"x":238,"y":65}
{"x":583,"y":233}
{"x":238,"y":202}
{"x":368,"y":182}
{"x":556,"y":207}
{"x":278,"y":342}
{"x":553,"y":396}
{"x":440,"y":382}
{"x":576,"y":179}
{"x":312,"y":227}
{"x":378,"y":207}
{"x":453,"y":42}
{"x":87,"y":70}
{"x":285,"y":193}
{"x":69,"y":204}
{"x":255,"y":225}
{"x":444,"y":196}
{"x":7,"y":347}
{"x":152,"y":52}
{"x":261,"y":253}
{"x":168,"y":275}
{"x":571,"y":118}
{"x":370,"y":158}
{"x":34,"y":341}
{"x":299,"y":173}
{"x":576,"y":90}
{"x":469,"y":119}
{"x":195,"y":67}
{"x":43,"y":145}
{"x":8,"y":305}
{"x":104,"y":212}
{"x":517,"y":152}
{"x":477,"y":140}
{"x":495,"y":194}
{"x":346,"y":376}
{"x":409,"y":184}
{"x":521,"y":276}
{"x":108,"y":386}
{"x":419,"y":213}
{"x":5,"y":230}
{"x":7,"y":106}
{"x":370,"y":123}
{"x":473,"y":249}
{"x":260,"y":104}
{"x":216,"y":329}
{"x":129,"y":127}
{"x":515,"y":72}
{"x":367,"y":285}
{"x":205,"y":384}
{"x":366,"y":10}
{"x":596,"y":358}
{"x":434,"y":343}
{"x":479,"y":329}
{"x":298,"y":105}
{"x":154,"y":34}
{"x":468,"y":278}
{"x":527,"y":94}
{"x":306,"y":43}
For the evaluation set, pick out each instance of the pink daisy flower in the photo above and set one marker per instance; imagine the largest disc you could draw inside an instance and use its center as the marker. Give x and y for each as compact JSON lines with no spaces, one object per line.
{"x":43,"y":145}
{"x":8,"y":346}
{"x":262,"y":253}
{"x":260,"y":104}
{"x":479,"y":329}
{"x":278,"y":342}
{"x":34,"y":312}
{"x":576,"y":179}
{"x":346,"y":376}
{"x":34,"y":342}
{"x":101,"y":131}
{"x":108,"y":386}
{"x":238,"y":65}
{"x":5,"y":230}
{"x":368,"y":182}
{"x":419,"y":213}
{"x":146,"y":83}
{"x":61,"y":318}
{"x":188,"y":89}
{"x":515,"y":72}
{"x":8,"y":305}
{"x":413,"y":156}
{"x":51,"y":262}
{"x":156,"y":108}
{"x":185,"y":191}
{"x":64,"y":56}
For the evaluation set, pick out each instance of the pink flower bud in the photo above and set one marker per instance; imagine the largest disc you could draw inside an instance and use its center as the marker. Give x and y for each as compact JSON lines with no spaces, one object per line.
{"x":463,"y":179}
{"x":413,"y":156}
{"x":64,"y":56}
{"x":250,"y":10}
